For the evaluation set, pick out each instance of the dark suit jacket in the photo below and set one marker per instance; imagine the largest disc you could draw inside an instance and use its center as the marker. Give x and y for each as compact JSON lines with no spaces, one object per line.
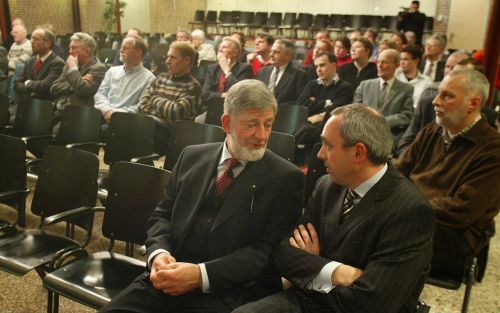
{"x":440,"y":65}
{"x":398,"y":106}
{"x":260,"y":210}
{"x":290,"y":85}
{"x":39,"y":87}
{"x":210,"y":90}
{"x":388,"y":235}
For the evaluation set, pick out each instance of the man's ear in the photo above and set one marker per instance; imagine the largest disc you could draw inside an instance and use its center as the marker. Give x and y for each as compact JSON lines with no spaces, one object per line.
{"x":474,"y":104}
{"x":226,"y":123}
{"x":360,"y":152}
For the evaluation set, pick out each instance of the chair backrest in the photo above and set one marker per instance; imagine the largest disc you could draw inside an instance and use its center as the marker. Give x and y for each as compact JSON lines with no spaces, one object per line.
{"x":246,"y":18}
{"x":282,"y":144}
{"x":12,"y":163}
{"x":336,"y":21}
{"x":289,"y":19}
{"x":33,"y":117}
{"x":67,"y":180}
{"x":305,"y":20}
{"x":4,"y":110}
{"x":289,"y":118}
{"x":134,"y":191}
{"x":186,"y":133}
{"x":260,"y":19}
{"x":130,"y":135}
{"x":199,"y":16}
{"x":315,"y":169}
{"x":215,"y":109}
{"x":79,"y":124}
{"x":321,"y":21}
{"x":274,"y":19}
{"x":390,"y":23}
{"x":211,"y":17}
{"x":225,"y":17}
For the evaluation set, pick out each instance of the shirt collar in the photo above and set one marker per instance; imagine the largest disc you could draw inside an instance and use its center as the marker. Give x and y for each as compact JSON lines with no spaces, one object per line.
{"x":132,"y":69}
{"x":333,"y":82}
{"x":364,"y":187}
{"x":390,"y":82}
{"x":227,"y":155}
{"x":45,"y":56}
{"x":449,"y":138}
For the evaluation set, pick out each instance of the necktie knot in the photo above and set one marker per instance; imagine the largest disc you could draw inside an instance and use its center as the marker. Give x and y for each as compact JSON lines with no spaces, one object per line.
{"x":348,"y":203}
{"x":232,"y":163}
{"x":227,"y":178}
{"x":38,"y":64}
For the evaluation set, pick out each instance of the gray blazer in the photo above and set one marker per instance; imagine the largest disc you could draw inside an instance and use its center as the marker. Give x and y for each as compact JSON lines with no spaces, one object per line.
{"x":398,"y":107}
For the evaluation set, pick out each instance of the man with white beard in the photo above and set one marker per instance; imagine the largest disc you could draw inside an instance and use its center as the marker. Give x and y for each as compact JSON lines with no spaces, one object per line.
{"x":226,"y":207}
{"x":123,"y":85}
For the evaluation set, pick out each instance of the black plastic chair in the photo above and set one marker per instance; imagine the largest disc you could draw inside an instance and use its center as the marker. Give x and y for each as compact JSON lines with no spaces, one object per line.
{"x":336,"y":22}
{"x":259,"y":21}
{"x":390,"y":23}
{"x":288,"y":23}
{"x":244,"y":22}
{"x":13,"y":190}
{"x":215,"y":109}
{"x":315,"y":169}
{"x":67,"y":183}
{"x":289,"y":118}
{"x":321,"y":21}
{"x":186,"y":133}
{"x":375,"y":21}
{"x":211,"y":22}
{"x":4,"y":110}
{"x":274,"y":21}
{"x":473,"y":272}
{"x":199,"y":19}
{"x":282,"y":144}
{"x":352,"y":22}
{"x":94,"y":280}
{"x":304,"y":25}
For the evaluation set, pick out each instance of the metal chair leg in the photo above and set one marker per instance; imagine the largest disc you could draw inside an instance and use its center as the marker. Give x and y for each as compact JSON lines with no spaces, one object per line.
{"x":471,"y":279}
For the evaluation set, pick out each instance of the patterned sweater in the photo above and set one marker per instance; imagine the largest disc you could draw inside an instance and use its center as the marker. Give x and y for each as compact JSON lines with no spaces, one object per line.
{"x":18,"y":54}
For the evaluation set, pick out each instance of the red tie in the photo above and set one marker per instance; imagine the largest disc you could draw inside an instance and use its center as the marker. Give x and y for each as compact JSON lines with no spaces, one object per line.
{"x":38,"y":65}
{"x":227,"y":178}
{"x":222,"y":79}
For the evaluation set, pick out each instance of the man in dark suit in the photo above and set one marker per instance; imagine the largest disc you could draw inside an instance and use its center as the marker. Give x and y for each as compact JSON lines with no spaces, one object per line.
{"x":226,"y":72}
{"x":364,"y":242}
{"x":42,"y":69}
{"x":413,"y":20}
{"x":393,"y":98}
{"x":432,"y":65}
{"x":226,"y":207}
{"x":284,"y":79}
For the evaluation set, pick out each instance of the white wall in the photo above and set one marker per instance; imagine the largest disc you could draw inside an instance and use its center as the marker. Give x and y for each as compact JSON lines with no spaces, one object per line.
{"x":468,"y":24}
{"x":369,"y":7}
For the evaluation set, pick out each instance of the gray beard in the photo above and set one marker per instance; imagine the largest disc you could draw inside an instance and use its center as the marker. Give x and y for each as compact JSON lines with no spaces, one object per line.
{"x":244,"y":153}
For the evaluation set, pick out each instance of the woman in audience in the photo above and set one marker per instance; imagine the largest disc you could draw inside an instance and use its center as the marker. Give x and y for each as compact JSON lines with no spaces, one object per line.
{"x":205,"y":51}
{"x":341,"y":50}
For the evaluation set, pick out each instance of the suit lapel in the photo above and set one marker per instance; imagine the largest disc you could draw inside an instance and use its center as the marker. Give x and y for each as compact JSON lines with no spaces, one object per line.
{"x":44,"y":67}
{"x":284,"y":79}
{"x":392,"y":93}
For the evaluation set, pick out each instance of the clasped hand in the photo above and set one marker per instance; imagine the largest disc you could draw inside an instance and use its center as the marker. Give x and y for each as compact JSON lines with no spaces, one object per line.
{"x":305,"y":239}
{"x":172,"y":277}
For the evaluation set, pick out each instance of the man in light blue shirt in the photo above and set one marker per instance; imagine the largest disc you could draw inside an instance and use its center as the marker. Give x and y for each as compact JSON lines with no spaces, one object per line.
{"x":123,"y":85}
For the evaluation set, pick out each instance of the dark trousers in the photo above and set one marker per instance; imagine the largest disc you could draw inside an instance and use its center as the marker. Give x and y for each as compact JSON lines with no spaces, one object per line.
{"x":451,"y":250}
{"x":142,"y":297}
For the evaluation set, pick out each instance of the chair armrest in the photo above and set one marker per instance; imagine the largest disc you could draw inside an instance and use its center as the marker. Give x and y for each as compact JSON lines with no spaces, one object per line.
{"x":13,"y":194}
{"x":79,"y":253}
{"x":71,"y":214}
{"x":89,"y":144}
{"x":38,"y":138}
{"x":146,"y":159}
{"x":7,"y":229}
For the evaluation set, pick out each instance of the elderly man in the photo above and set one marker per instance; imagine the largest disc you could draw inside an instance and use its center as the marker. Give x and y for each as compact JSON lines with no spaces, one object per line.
{"x":210,"y":250}
{"x":123,"y":85}
{"x":227,"y":72}
{"x":183,"y":35}
{"x":284,"y":79}
{"x":42,"y":69}
{"x":393,"y":98}
{"x":360,"y":68}
{"x":173,"y":96}
{"x":205,"y":51}
{"x":261,"y":56}
{"x":456,"y":164}
{"x":364,"y":242}
{"x":146,"y":58}
{"x":432,"y":65}
{"x":408,"y":71}
{"x":20,"y":51}
{"x":81,"y":76}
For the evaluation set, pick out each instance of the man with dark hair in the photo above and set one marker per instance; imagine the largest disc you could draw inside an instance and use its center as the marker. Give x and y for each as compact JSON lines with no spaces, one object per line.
{"x":284,"y":79}
{"x":322,"y":35}
{"x":413,"y":20}
{"x":364,"y":242}
{"x":455,"y":162}
{"x":226,"y":207}
{"x":262,"y":54}
{"x":123,"y":85}
{"x":408,"y":71}
{"x":42,"y":69}
{"x":360,"y":68}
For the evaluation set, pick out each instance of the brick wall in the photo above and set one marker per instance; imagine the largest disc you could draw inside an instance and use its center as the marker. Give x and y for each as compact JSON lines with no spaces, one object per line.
{"x":442,"y":16}
{"x":164,"y":18}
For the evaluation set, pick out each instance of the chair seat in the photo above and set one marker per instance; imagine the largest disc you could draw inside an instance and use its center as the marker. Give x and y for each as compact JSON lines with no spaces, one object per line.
{"x":93,"y":281}
{"x":448,"y":280}
{"x":24,"y":251}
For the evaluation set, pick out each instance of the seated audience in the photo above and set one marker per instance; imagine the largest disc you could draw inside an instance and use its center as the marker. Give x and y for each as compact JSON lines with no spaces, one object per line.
{"x":321,"y":46}
{"x":56,"y":49}
{"x":408,"y":71}
{"x":226,"y":207}
{"x":393,"y":98}
{"x":342,"y":49}
{"x":424,"y":111}
{"x":364,"y":242}
{"x":226,"y":72}
{"x":123,"y":85}
{"x":455,"y":162}
{"x":354,"y":35}
{"x":432,"y":65}
{"x":183,"y":35}
{"x":41,"y":70}
{"x":205,"y":50}
{"x":81,"y":76}
{"x":411,"y":38}
{"x":261,"y":56}
{"x":241,"y":39}
{"x":322,"y":35}
{"x":399,"y":40}
{"x":283,"y":79}
{"x":360,"y":68}
{"x":413,"y":20}
{"x":20,"y":51}
{"x":146,"y":58}
{"x":386,"y":44}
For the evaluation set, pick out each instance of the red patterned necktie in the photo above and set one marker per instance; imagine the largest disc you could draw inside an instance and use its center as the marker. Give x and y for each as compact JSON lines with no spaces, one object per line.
{"x":227,"y":178}
{"x":38,"y":65}
{"x":222,"y":80}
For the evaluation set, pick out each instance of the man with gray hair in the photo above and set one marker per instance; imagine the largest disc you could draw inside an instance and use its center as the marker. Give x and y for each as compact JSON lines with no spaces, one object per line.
{"x":432,"y":65}
{"x":210,"y":251}
{"x":455,"y":162}
{"x":364,"y":242}
{"x":393,"y":98}
{"x":205,"y":51}
{"x":20,"y":51}
{"x":285,"y":80}
{"x":81,"y":76}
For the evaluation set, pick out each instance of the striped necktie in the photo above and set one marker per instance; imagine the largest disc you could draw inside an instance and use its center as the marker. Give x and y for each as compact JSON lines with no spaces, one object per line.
{"x":348,"y":203}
